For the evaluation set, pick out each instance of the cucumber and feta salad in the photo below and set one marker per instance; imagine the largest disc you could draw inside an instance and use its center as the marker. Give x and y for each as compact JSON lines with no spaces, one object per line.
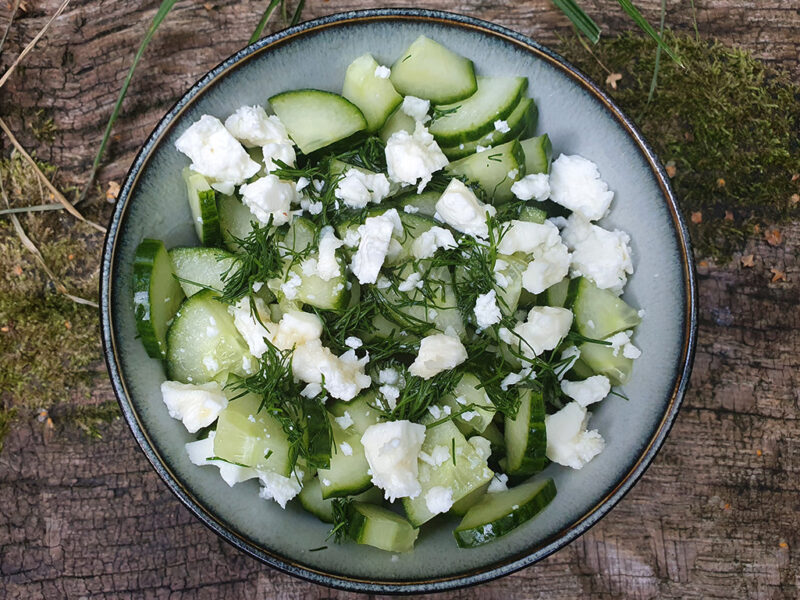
{"x":400,"y":307}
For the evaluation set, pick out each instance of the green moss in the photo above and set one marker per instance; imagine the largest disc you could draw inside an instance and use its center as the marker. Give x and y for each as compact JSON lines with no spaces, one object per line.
{"x":89,"y":419}
{"x":6,"y":417}
{"x":728,"y":123}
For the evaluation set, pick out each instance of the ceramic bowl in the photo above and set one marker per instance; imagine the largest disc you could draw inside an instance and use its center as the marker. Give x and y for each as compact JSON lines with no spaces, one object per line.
{"x":579,"y":119}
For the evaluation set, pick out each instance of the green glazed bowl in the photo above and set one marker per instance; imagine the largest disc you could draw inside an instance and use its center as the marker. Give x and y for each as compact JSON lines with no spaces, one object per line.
{"x":579,"y":119}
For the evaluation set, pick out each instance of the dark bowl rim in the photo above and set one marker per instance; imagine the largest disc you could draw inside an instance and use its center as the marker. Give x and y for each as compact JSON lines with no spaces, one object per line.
{"x":506,"y":566}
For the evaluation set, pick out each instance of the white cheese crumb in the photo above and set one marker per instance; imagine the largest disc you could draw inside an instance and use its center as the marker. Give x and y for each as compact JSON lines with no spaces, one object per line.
{"x":600,"y":255}
{"x":416,"y":108}
{"x":437,"y":353}
{"x":588,"y":391}
{"x":515,"y":378}
{"x":251,"y":126}
{"x":343,"y":376}
{"x":498,"y":484}
{"x":575,"y":184}
{"x":428,"y":242}
{"x":391,"y":393}
{"x":358,"y":188}
{"x":375,"y":235}
{"x":328,"y":266}
{"x":573,"y":353}
{"x":410,"y":209}
{"x":551,"y":259}
{"x":346,"y":448}
{"x":501,"y":126}
{"x":460,"y":209}
{"x":290,"y":286}
{"x":414,"y":280}
{"x":535,"y":186}
{"x":487,"y":313}
{"x":544,"y":329}
{"x":382,"y":72}
{"x":312,"y":390}
{"x":392,"y":449}
{"x":269,"y":197}
{"x":345,"y":420}
{"x":413,"y":158}
{"x":438,"y":456}
{"x":439,"y":499}
{"x":196,"y":406}
{"x":279,"y":488}
{"x":200,"y":453}
{"x":353,"y":342}
{"x":622,"y":341}
{"x":482,"y":446}
{"x":568,"y":441}
{"x":283,"y":152}
{"x":251,"y":330}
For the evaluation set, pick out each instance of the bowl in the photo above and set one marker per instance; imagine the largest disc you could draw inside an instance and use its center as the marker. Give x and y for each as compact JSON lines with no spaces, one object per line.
{"x":579,"y":118}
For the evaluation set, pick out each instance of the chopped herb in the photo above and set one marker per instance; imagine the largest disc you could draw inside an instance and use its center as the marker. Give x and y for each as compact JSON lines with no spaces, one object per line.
{"x":259,"y":261}
{"x":230,"y":462}
{"x":318,"y":549}
{"x":453,"y":444}
{"x":341,"y":519}
{"x":438,"y":113}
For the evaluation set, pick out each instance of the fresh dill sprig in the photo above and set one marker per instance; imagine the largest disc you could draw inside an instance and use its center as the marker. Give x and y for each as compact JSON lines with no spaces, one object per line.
{"x":419,"y":394}
{"x":260,"y":260}
{"x":370,"y":154}
{"x":341,"y":520}
{"x":438,"y":113}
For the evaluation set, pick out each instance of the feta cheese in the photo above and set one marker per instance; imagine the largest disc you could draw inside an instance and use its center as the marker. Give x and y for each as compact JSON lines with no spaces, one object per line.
{"x":251,"y":126}
{"x":460,"y":209}
{"x":391,"y":393}
{"x":573,"y":353}
{"x":428,"y":242}
{"x":289,"y":287}
{"x":353,"y":342}
{"x":200,"y":453}
{"x":392,"y":449}
{"x":544,"y":329}
{"x":279,"y":488}
{"x":575,"y":184}
{"x":535,"y":186}
{"x":588,"y":391}
{"x":195,"y":405}
{"x":345,"y":421}
{"x":352,"y":238}
{"x":498,"y":484}
{"x":312,"y":390}
{"x":622,"y":341}
{"x":283,"y":152}
{"x":357,"y":188}
{"x":568,"y":441}
{"x":410,"y":209}
{"x":501,"y":126}
{"x":390,"y":376}
{"x":412,"y":158}
{"x":382,"y":72}
{"x":215,"y":153}
{"x":600,"y":255}
{"x":343,"y":376}
{"x":250,"y":328}
{"x":551,"y":257}
{"x":438,"y":499}
{"x":269,"y":197}
{"x":438,"y":456}
{"x":487,"y":313}
{"x":327,"y":265}
{"x":375,"y":235}
{"x":437,"y":353}
{"x":482,"y":446}
{"x":515,"y":378}
{"x":416,"y":108}
{"x":346,"y":449}
{"x":409,"y":283}
{"x":294,"y":329}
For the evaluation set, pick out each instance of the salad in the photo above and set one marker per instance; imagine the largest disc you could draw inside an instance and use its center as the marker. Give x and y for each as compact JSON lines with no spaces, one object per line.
{"x":401,"y":306}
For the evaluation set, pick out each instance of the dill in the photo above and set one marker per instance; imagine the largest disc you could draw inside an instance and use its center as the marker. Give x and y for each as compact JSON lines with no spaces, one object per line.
{"x":495,"y":158}
{"x":341,"y":519}
{"x":438,"y":113}
{"x":453,"y":454}
{"x":419,"y":394}
{"x":370,"y":154}
{"x":318,"y":549}
{"x":230,"y":462}
{"x":260,"y":260}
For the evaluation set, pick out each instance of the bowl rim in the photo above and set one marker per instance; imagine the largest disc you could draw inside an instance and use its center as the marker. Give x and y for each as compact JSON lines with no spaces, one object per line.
{"x":533,"y":553}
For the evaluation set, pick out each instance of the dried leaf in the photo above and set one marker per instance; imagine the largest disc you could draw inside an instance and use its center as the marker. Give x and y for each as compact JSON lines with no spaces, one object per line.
{"x":748,"y":261}
{"x":773,"y":237}
{"x":671,"y":169}
{"x":728,"y":215}
{"x":612,"y":80}
{"x":720,"y":182}
{"x":697,"y":217}
{"x":794,"y":198}
{"x":777,"y":275}
{"x":112,"y":192}
{"x":703,"y":264}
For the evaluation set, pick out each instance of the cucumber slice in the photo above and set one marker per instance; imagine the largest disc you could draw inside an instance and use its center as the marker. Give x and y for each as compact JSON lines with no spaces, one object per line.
{"x":414,"y":225}
{"x":538,"y":154}
{"x":562,"y":294}
{"x":469,"y":391}
{"x":307,"y":287}
{"x":204,"y":266}
{"x":235,"y":221}
{"x":250,"y":437}
{"x":468,"y":119}
{"x":398,"y":121}
{"x":203,"y":343}
{"x":526,"y":437}
{"x":348,"y":473}
{"x":531,"y":214}
{"x":461,"y":507}
{"x":498,"y":514}
{"x":467,"y":474}
{"x":203,"y":204}
{"x":315,"y":119}
{"x":597,"y":359}
{"x":424,"y":203}
{"x":359,"y":410}
{"x":600,"y":313}
{"x":156,"y":296}
{"x":495,"y":170}
{"x":508,"y":296}
{"x":522,"y":119}
{"x":379,"y":527}
{"x":311,"y":499}
{"x":302,"y":233}
{"x":429,"y":70}
{"x":374,"y":96}
{"x":495,"y":437}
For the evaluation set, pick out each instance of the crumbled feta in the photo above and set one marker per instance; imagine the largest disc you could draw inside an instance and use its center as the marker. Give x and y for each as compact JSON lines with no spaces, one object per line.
{"x":588,"y":391}
{"x":460,"y":208}
{"x":353,"y":342}
{"x":551,"y":257}
{"x":428,"y":242}
{"x":438,"y":456}
{"x":439,"y":499}
{"x":343,"y":377}
{"x":487,"y":313}
{"x":346,"y":448}
{"x":328,"y":266}
{"x":250,"y":327}
{"x":200,"y":453}
{"x":302,"y":183}
{"x":283,"y":152}
{"x":469,"y":415}
{"x":269,"y":197}
{"x":498,"y":484}
{"x":392,"y":449}
{"x":215,"y":153}
{"x":409,"y":283}
{"x":313,"y":207}
{"x":412,"y":158}
{"x":195,"y":405}
{"x":312,"y":390}
{"x":389,"y":375}
{"x":568,"y":441}
{"x":290,"y":286}
{"x":279,"y":488}
{"x":352,"y":238}
{"x":515,"y":378}
{"x":600,"y":255}
{"x":410,"y":209}
{"x":482,"y":446}
{"x":544,"y":329}
{"x":375,"y":235}
{"x":622,"y":341}
{"x":416,"y":108}
{"x":391,"y":393}
{"x":512,"y":174}
{"x":295,"y":328}
{"x":309,"y":267}
{"x":358,"y":188}
{"x":501,"y":126}
{"x":573,"y":353}
{"x":535,"y":186}
{"x":251,"y":126}
{"x":382,"y":72}
{"x":345,"y":420}
{"x":575,"y":184}
{"x":437,"y":353}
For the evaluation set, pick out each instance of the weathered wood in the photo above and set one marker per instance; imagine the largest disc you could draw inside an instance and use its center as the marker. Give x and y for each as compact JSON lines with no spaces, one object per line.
{"x":714,"y":517}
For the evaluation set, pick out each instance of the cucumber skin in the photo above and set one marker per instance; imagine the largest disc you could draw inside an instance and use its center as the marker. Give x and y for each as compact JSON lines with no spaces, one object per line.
{"x":473,"y":537}
{"x":533,"y":458}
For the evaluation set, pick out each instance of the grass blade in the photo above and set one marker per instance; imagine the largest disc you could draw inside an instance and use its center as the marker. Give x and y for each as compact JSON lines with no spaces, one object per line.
{"x":297,"y":13}
{"x":580,"y":19}
{"x":10,"y":23}
{"x":163,"y":11}
{"x":637,"y":17}
{"x":263,"y":22}
{"x":30,"y":209}
{"x":657,"y":64}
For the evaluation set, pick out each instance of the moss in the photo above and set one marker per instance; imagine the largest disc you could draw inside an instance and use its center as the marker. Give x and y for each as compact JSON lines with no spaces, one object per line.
{"x":6,"y":417}
{"x":727,"y":123}
{"x":88,"y":419}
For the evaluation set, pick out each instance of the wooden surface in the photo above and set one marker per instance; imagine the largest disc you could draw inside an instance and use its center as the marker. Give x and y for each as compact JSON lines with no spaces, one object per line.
{"x":716,"y":515}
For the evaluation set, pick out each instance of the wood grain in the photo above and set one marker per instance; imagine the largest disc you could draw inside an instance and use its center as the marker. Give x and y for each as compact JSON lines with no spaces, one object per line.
{"x":716,"y":515}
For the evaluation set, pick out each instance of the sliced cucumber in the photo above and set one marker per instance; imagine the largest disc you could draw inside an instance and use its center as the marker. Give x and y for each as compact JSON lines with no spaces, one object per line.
{"x":235,"y":221}
{"x":461,"y":507}
{"x":302,"y":284}
{"x":508,"y":296}
{"x":203,"y":266}
{"x":156,"y":296}
{"x":398,"y":121}
{"x":495,"y":437}
{"x":522,"y":119}
{"x":597,"y":359}
{"x":429,"y":70}
{"x":379,"y":527}
{"x":203,"y":204}
{"x":494,"y":170}
{"x":531,"y":214}
{"x":468,"y":119}
{"x":461,"y":474}
{"x":315,"y":119}
{"x":600,"y":313}
{"x":302,"y":233}
{"x":423,"y":204}
{"x":498,"y":514}
{"x":247,"y":436}
{"x":359,"y":410}
{"x":348,"y":472}
{"x":311,"y":499}
{"x":414,"y":225}
{"x":468,"y":391}
{"x":203,"y":343}
{"x":538,"y":154}
{"x":374,"y":96}
{"x":526,"y":437}
{"x":562,"y":294}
